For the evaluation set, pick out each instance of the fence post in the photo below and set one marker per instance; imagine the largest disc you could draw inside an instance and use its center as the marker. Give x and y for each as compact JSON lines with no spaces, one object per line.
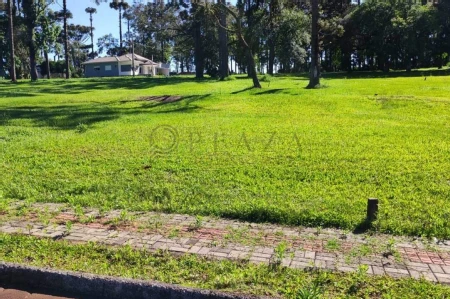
{"x":372,"y":209}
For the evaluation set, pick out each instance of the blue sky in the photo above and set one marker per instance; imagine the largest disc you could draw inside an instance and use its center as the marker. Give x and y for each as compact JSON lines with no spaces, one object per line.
{"x":106,"y":20}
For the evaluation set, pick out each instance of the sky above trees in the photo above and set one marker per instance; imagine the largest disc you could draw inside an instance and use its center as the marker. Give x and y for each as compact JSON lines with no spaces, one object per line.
{"x":105,"y":20}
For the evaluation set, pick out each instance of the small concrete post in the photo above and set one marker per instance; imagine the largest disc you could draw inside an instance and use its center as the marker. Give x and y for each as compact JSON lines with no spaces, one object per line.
{"x":372,"y":209}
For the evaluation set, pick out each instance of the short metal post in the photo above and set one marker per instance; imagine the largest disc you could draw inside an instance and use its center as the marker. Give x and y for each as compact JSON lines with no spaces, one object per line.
{"x":372,"y":209}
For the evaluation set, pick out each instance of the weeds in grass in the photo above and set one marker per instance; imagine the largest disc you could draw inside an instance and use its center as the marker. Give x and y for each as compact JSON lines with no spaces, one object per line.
{"x":197,"y":224}
{"x":29,"y":228}
{"x":79,"y":211}
{"x":87,"y":219}
{"x":69,"y":226}
{"x":359,"y":280}
{"x":391,"y":250}
{"x":332,"y":245}
{"x":154,"y":223}
{"x":310,"y":292}
{"x":4,"y":205}
{"x":81,"y":128}
{"x":280,"y":253}
{"x":174,"y":233}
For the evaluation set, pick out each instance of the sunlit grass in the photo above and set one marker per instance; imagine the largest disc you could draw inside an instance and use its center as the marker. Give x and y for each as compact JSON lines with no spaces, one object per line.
{"x":282,"y":154}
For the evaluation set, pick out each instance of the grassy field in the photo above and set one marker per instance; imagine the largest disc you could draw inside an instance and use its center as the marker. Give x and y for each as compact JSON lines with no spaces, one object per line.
{"x":194,"y":271}
{"x":282,"y":154}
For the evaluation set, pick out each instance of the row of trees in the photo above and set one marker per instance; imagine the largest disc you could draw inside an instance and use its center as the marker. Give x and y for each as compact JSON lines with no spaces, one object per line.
{"x":288,"y":36}
{"x":32,"y":31}
{"x":250,"y":37}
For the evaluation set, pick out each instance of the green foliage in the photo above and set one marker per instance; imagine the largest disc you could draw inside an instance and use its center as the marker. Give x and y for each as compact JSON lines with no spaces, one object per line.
{"x":410,"y":33}
{"x":332,"y":244}
{"x":310,"y":292}
{"x":81,"y":128}
{"x":198,"y":222}
{"x":292,"y":38}
{"x":266,"y":78}
{"x":229,"y":78}
{"x":280,"y":253}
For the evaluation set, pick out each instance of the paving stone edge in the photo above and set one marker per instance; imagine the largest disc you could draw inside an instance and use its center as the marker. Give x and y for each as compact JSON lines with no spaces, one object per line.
{"x":65,"y":283}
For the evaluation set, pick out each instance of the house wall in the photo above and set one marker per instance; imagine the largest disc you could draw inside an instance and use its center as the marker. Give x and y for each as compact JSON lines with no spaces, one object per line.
{"x":148,"y":70}
{"x":104,"y":69}
{"x":125,"y":68}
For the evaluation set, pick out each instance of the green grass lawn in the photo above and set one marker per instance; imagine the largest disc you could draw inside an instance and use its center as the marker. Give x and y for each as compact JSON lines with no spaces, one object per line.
{"x":282,"y":154}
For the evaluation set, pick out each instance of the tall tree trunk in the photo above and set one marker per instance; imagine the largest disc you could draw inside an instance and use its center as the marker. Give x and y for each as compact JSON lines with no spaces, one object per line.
{"x":128,"y":32}
{"x":314,"y":76}
{"x":32,"y":48}
{"x":252,"y":69}
{"x":92,"y":36}
{"x":273,"y":13}
{"x":120,"y":26}
{"x":47,"y":62}
{"x":271,"y":55}
{"x":30,"y":21}
{"x":250,"y":59}
{"x":66,"y":40}
{"x":223,"y":43}
{"x":198,"y":50}
{"x":12,"y":63}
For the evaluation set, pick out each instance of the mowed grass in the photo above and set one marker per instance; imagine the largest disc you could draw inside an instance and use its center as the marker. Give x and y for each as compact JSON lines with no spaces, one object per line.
{"x":281,"y":154}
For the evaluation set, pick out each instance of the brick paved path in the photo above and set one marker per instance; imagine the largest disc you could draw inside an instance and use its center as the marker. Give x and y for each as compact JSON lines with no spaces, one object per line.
{"x":296,"y":247}
{"x":16,"y":294}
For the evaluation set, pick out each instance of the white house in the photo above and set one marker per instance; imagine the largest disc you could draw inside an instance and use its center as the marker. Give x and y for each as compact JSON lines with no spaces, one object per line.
{"x":123,"y":66}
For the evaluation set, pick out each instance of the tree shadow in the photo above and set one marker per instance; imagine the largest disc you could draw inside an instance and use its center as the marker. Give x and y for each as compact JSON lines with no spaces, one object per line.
{"x":242,"y":90}
{"x":369,"y":74}
{"x":243,"y":77}
{"x":68,"y":117}
{"x":380,"y":74}
{"x":183,"y":105}
{"x":59,"y":86}
{"x":13,"y":94}
{"x":271,"y":91}
{"x":61,"y":117}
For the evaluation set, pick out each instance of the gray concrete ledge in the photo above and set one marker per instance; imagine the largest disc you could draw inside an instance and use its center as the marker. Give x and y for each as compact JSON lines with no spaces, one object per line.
{"x":83,"y":285}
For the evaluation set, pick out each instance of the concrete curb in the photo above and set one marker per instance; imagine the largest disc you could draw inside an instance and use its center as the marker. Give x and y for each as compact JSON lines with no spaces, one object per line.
{"x":64,"y":283}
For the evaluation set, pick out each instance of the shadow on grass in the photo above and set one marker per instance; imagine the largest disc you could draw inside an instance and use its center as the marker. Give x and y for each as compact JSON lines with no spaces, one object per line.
{"x":184,"y":105}
{"x":363,"y":227}
{"x":13,"y":94}
{"x":370,"y":74}
{"x":271,"y":91}
{"x":78,"y":86}
{"x":242,"y":90}
{"x":67,"y":117}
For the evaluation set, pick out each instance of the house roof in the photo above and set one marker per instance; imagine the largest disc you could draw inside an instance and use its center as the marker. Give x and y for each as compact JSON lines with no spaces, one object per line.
{"x":126,"y":57}
{"x":102,"y":60}
{"x":149,"y":63}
